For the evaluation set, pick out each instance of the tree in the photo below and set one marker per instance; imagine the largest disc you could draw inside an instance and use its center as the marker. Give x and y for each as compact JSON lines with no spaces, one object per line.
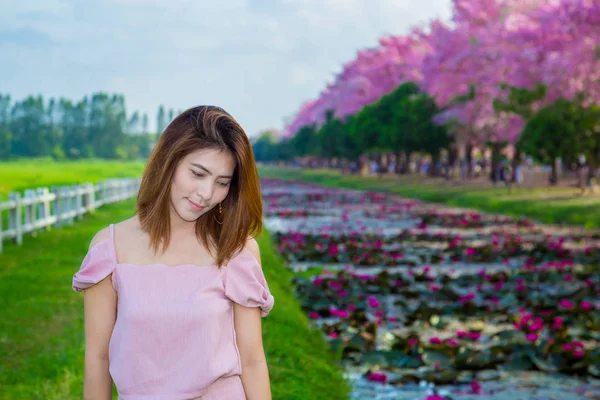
{"x":160,"y":120}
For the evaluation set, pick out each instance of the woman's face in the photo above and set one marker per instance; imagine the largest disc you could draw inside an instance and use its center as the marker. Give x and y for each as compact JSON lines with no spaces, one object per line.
{"x":202,"y":180}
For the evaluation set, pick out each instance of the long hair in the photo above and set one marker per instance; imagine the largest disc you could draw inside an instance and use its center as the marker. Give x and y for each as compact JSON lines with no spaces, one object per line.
{"x":203,"y":127}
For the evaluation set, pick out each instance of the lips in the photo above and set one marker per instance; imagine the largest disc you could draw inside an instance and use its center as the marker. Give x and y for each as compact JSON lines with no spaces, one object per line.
{"x":196,"y":206}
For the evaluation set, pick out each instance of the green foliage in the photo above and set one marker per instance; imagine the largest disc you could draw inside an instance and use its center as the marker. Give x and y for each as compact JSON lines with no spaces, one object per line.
{"x":520,"y":101}
{"x":95,"y":126}
{"x":562,"y":129}
{"x":399,"y":121}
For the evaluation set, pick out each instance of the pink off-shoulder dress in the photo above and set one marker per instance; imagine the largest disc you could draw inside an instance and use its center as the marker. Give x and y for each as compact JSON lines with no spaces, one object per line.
{"x":174,"y":336}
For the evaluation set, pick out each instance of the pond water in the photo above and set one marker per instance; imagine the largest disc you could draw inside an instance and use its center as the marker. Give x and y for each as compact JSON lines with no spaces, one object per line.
{"x":423,"y":299}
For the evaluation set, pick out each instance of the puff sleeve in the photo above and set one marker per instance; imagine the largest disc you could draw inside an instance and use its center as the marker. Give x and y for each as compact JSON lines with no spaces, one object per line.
{"x":246,"y":284}
{"x":97,"y":265}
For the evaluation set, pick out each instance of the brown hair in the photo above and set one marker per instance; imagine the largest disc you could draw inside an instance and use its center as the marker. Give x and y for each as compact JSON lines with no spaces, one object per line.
{"x":203,"y":127}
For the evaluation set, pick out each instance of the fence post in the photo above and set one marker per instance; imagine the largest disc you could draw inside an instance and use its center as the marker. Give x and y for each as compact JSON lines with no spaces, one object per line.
{"x":71,"y":203}
{"x":78,"y":201}
{"x":91,"y":197}
{"x":29,"y":212}
{"x":15,"y":217}
{"x":44,"y":206}
{"x":56,"y":205}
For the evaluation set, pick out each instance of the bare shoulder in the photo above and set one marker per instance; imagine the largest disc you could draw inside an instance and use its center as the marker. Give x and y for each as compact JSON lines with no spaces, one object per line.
{"x":127,"y":227}
{"x":252,"y":246}
{"x":104,"y":233}
{"x":100,"y":236}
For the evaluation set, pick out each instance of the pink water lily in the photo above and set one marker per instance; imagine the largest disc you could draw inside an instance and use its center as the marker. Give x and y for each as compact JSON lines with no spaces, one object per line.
{"x":578,"y":353}
{"x":377,"y":377}
{"x":567,"y":304}
{"x":467,"y":297}
{"x":435,"y":340}
{"x":373,"y":302}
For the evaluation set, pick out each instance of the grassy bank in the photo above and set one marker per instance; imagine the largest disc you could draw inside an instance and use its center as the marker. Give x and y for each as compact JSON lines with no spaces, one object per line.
{"x":42,"y":326}
{"x":30,"y":173}
{"x":550,"y":205}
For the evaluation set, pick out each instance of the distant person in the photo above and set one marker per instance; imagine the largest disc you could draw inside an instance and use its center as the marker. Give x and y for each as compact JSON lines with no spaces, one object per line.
{"x":583,"y":174}
{"x":174,"y":295}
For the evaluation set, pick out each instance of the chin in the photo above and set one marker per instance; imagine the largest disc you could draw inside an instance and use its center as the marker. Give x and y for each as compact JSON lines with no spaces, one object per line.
{"x":187,"y":215}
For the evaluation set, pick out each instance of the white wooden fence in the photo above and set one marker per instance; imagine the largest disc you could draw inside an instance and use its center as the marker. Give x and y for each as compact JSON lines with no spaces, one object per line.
{"x":43,"y":208}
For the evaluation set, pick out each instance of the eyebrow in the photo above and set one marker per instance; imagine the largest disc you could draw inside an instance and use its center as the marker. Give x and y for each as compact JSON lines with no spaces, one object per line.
{"x":210,"y":173}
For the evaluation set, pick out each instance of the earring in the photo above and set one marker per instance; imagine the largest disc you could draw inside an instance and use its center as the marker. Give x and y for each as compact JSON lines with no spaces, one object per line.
{"x":220,"y":214}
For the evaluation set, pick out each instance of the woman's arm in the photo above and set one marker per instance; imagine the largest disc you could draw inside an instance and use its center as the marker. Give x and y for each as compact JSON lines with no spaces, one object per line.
{"x":100,"y":308}
{"x":247,"y":321}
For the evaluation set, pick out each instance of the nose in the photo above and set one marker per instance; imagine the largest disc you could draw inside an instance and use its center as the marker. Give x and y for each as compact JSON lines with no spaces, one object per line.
{"x":205,"y":190}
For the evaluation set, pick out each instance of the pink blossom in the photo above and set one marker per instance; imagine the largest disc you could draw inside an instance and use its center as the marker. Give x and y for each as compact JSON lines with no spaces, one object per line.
{"x":435,"y":397}
{"x":532,"y":337}
{"x":413,"y":341}
{"x":470,"y":251}
{"x":461,"y":334}
{"x":452,"y":342}
{"x":435,"y":340}
{"x":352,"y":307}
{"x":586,"y":305}
{"x":378,"y":314}
{"x":564,"y":303}
{"x":475,"y":387}
{"x":578,"y":353}
{"x":377,"y":377}
{"x":314,"y":315}
{"x":474,"y":335}
{"x":567,"y":347}
{"x":333,"y":335}
{"x":391,"y":318}
{"x":578,"y":344}
{"x":467,"y":297}
{"x":434,"y":287}
{"x":558,"y":321}
{"x":342,"y":293}
{"x":317,"y":281}
{"x":373,"y":302}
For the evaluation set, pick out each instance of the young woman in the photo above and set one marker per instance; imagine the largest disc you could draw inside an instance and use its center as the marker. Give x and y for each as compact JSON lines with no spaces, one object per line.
{"x":174,"y":295}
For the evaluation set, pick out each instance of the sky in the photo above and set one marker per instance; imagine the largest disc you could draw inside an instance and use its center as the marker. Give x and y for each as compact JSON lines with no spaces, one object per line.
{"x":258,"y":59}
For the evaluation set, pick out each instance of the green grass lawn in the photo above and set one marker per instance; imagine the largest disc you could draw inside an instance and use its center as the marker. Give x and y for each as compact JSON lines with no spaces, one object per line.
{"x":560,"y":205}
{"x":31,"y":173}
{"x":42,"y":325}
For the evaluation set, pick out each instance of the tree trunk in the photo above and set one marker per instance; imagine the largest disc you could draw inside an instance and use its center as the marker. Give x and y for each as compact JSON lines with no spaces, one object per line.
{"x":406,"y":163}
{"x":516,"y":162}
{"x":434,"y":170}
{"x":553,"y":178}
{"x":494,"y":173}
{"x":469,"y":159}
